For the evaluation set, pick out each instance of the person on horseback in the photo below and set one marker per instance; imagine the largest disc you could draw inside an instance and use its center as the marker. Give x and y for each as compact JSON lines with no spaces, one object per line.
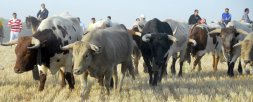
{"x":194,"y":18}
{"x":43,"y":13}
{"x":245,"y":17}
{"x":226,"y":17}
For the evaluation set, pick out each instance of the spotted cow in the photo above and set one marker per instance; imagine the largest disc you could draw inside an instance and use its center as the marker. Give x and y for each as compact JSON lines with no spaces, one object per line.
{"x":43,"y":49}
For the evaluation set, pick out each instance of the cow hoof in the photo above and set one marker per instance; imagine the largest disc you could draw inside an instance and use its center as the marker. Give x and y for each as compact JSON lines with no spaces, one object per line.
{"x":231,"y":74}
{"x":247,"y":72}
{"x":180,"y":75}
{"x":154,"y":84}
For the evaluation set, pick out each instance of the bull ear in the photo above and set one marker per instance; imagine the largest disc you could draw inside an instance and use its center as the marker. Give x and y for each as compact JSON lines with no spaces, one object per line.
{"x":216,"y":31}
{"x":95,"y":48}
{"x":238,"y":44}
{"x":146,"y":37}
{"x":10,"y":43}
{"x":242,"y":32}
{"x":172,"y":38}
{"x":68,"y":47}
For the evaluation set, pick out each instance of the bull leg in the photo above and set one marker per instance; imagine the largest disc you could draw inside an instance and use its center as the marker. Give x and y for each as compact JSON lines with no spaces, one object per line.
{"x":63,"y":82}
{"x":199,"y":66}
{"x":214,"y":61}
{"x":182,"y":59}
{"x":196,"y":61}
{"x":68,"y":68}
{"x":115,"y":77}
{"x":154,"y":83}
{"x":43,"y":76}
{"x":136,"y":59}
{"x":145,"y":70}
{"x":150,"y":72}
{"x":173,"y":70}
{"x":130,"y":67}
{"x":199,"y":63}
{"x":231,"y":69}
{"x":69,"y":77}
{"x":84,"y":83}
{"x":123,"y":71}
{"x":107,"y":81}
{"x":228,"y":64}
{"x":181,"y":68}
{"x":240,"y":67}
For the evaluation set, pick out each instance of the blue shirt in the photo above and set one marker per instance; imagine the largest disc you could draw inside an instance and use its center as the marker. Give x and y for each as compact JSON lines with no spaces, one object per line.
{"x":226,"y":17}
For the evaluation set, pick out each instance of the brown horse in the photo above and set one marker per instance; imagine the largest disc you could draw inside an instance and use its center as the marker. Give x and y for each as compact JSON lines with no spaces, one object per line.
{"x":32,"y":22}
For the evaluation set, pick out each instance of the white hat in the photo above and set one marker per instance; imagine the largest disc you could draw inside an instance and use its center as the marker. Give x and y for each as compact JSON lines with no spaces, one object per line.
{"x":142,"y":16}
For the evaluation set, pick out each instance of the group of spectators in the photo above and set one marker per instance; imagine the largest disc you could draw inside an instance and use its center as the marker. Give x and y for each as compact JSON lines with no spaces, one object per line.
{"x":225,"y":18}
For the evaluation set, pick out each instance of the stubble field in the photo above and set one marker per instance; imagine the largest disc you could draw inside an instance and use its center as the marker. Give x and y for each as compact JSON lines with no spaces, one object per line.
{"x":204,"y":86}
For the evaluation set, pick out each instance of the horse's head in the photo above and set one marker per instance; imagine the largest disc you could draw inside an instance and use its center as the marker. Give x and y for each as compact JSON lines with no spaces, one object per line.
{"x":28,"y":22}
{"x":32,"y":22}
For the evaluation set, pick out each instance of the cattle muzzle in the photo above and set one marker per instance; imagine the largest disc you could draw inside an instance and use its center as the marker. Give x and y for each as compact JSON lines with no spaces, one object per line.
{"x":78,"y":71}
{"x":18,"y":70}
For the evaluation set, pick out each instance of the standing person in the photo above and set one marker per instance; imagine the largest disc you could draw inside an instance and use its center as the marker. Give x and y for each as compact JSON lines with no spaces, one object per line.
{"x":43,"y":13}
{"x":226,"y":17}
{"x":245,"y":17}
{"x":15,"y":25}
{"x":194,"y":18}
{"x":81,"y":24}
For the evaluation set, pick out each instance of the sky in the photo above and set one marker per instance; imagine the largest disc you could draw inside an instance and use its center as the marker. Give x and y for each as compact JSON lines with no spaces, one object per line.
{"x":126,"y":11}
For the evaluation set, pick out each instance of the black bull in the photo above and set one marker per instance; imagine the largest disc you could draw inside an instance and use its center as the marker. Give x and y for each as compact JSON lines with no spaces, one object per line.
{"x":155,"y":43}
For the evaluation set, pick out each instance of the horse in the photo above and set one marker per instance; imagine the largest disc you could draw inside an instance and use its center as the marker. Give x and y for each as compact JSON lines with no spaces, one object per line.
{"x":32,"y":22}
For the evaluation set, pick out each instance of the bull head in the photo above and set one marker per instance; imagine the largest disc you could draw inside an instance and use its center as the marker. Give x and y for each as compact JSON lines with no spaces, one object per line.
{"x":147,"y":37}
{"x":93,"y":47}
{"x":82,"y":55}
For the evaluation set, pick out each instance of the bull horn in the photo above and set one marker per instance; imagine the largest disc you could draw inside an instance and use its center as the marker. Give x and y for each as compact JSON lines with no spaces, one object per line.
{"x":36,"y":43}
{"x":146,"y":37}
{"x":172,"y":38}
{"x":193,"y":42}
{"x":68,"y":47}
{"x":137,"y":33}
{"x":175,"y":31}
{"x":10,"y":43}
{"x":237,"y":44}
{"x":215,"y":31}
{"x":242,"y":31}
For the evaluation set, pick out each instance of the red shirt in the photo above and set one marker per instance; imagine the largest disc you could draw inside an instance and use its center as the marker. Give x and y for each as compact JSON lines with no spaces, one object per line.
{"x":15,"y":24}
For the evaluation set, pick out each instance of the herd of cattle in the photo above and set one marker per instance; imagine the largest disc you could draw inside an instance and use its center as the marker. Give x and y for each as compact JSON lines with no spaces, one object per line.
{"x":58,"y":44}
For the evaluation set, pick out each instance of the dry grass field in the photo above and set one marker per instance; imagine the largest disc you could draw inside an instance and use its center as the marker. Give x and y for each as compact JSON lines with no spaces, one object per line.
{"x":204,"y":86}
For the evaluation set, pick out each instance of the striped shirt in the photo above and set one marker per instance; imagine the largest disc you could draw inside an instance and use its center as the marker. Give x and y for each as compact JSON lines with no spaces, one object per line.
{"x":15,"y":24}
